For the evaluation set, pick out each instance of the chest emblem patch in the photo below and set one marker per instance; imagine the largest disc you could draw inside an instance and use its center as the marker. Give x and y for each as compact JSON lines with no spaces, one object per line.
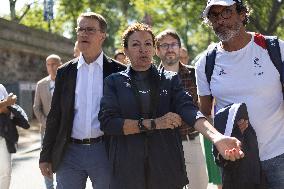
{"x":258,"y":67}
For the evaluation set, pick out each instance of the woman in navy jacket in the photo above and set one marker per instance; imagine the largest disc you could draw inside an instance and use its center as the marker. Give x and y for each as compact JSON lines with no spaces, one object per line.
{"x":140,"y":111}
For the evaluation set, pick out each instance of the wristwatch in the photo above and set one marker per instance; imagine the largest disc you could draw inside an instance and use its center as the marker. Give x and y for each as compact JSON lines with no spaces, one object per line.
{"x":142,"y":128}
{"x":153,"y":124}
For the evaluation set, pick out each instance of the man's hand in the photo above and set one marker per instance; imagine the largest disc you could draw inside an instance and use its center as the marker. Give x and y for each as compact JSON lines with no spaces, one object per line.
{"x":168,"y":121}
{"x":11,"y":99}
{"x":229,"y":147}
{"x":45,"y":169}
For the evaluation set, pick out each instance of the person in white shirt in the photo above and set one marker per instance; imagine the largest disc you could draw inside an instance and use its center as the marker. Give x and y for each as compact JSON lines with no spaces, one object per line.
{"x":244,"y":73}
{"x":42,"y":101}
{"x":5,"y":156}
{"x":73,"y":145}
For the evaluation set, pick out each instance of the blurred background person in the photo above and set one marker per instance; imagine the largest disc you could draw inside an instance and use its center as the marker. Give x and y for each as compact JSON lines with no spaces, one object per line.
{"x":184,"y":57}
{"x":168,"y":49}
{"x":42,"y":101}
{"x":76,"y":50}
{"x":5,"y":155}
{"x":120,"y":56}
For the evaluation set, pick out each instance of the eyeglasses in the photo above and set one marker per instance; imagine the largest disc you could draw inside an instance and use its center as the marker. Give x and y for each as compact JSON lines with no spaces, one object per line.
{"x":226,"y":13}
{"x":87,"y":30}
{"x":166,"y":46}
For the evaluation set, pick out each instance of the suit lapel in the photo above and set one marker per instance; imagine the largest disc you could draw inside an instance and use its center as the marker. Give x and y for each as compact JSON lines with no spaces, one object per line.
{"x":72,"y":80}
{"x":107,"y":69}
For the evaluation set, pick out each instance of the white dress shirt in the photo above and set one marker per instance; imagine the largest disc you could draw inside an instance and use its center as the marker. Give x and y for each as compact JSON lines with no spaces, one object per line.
{"x":88,"y":94}
{"x":51,"y":85}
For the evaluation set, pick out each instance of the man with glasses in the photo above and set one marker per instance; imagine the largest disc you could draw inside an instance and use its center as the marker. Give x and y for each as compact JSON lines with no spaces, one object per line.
{"x":169,"y":51}
{"x":244,"y":73}
{"x":73,"y":145}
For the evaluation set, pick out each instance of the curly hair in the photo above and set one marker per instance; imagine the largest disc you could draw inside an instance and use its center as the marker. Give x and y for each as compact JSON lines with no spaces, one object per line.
{"x":134,"y":28}
{"x":242,"y":7}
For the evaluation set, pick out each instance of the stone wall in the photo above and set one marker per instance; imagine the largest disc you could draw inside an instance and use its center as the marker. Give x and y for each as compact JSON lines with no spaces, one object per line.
{"x":23,"y":52}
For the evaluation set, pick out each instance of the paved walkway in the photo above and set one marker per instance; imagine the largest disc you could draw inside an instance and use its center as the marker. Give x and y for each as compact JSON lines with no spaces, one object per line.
{"x":25,"y":173}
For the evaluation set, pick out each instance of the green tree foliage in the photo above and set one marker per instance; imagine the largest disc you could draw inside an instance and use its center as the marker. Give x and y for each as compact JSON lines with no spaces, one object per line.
{"x":18,"y":17}
{"x":267,"y":17}
{"x":69,"y":12}
{"x":115,"y":12}
{"x":183,"y":16}
{"x":34,"y":18}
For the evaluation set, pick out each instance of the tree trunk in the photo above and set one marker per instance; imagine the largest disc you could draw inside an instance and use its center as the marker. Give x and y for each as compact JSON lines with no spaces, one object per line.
{"x":13,"y":10}
{"x":274,"y":19}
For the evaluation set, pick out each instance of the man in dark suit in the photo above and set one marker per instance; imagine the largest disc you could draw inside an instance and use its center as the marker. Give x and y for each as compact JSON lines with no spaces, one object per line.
{"x":73,"y":146}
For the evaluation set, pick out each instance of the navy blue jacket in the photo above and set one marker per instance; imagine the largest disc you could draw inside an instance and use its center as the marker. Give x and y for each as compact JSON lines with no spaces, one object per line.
{"x":245,"y":173}
{"x":8,"y":128}
{"x":158,"y":154}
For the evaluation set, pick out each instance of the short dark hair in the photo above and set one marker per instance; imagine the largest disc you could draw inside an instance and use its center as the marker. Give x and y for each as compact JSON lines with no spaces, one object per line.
{"x":134,"y":28}
{"x":166,"y":32}
{"x":241,"y":7}
{"x":96,"y":16}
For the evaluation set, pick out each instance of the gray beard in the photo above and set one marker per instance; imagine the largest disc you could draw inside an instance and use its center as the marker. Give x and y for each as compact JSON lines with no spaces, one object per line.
{"x":229,"y":34}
